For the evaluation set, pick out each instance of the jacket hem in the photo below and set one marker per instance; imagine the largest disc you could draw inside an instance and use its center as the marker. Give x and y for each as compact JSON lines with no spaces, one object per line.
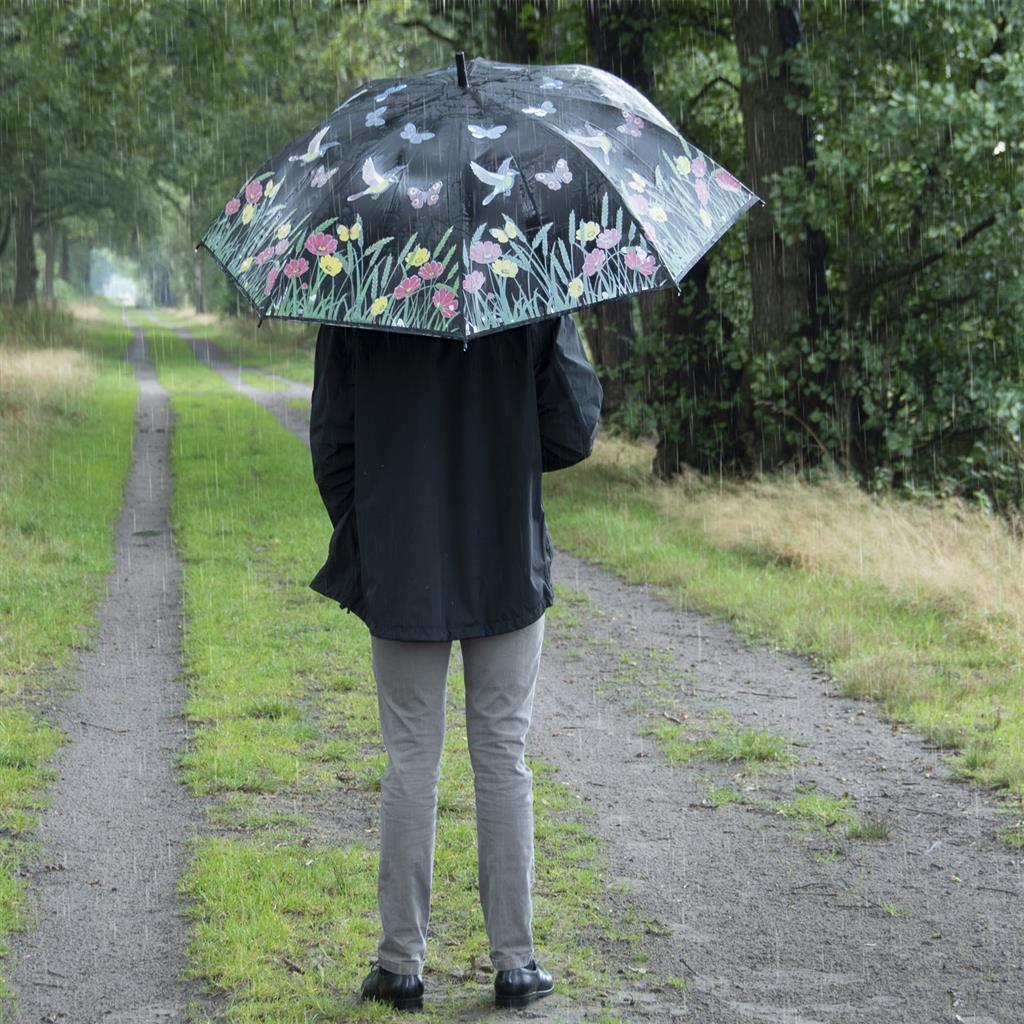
{"x":465,"y":632}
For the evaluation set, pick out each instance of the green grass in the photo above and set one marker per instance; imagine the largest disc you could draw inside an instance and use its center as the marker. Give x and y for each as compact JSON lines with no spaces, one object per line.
{"x":282,"y":702}
{"x":66,"y":453}
{"x":819,"y":811}
{"x":259,"y":380}
{"x":720,"y":740}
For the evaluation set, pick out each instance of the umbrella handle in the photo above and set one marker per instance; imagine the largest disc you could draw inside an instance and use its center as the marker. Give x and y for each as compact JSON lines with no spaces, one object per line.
{"x":460,"y":65}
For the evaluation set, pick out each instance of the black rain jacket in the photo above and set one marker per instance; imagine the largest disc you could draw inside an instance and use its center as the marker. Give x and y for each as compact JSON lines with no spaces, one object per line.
{"x":428,"y":458}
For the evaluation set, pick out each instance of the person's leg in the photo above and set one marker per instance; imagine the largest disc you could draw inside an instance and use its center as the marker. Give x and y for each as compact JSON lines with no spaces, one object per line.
{"x":411,"y":687}
{"x":501,"y":675}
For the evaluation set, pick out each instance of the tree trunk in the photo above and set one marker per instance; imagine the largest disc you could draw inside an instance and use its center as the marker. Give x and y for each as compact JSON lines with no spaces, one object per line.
{"x":25,"y":272}
{"x":774,"y":136}
{"x":197,"y":278}
{"x":65,"y":258}
{"x":616,"y":31}
{"x":514,"y":44}
{"x":50,"y":239}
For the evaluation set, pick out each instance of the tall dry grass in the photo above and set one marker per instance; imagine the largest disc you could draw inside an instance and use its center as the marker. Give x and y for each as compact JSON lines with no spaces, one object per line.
{"x":945,"y":552}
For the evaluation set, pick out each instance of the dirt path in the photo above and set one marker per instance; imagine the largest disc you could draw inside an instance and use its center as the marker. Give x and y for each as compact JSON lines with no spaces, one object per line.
{"x":766,"y":932}
{"x":110,"y":937}
{"x":768,"y":925}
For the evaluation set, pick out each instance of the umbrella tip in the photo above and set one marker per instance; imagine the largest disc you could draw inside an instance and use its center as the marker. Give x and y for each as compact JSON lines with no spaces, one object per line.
{"x":460,"y":65}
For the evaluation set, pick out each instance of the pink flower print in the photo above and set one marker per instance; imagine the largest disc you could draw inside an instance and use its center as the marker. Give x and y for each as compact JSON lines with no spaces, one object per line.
{"x":608,"y":238}
{"x":431,"y":270}
{"x":444,"y":299}
{"x":473,"y":280}
{"x":281,"y":246}
{"x":263,"y":256}
{"x":593,"y":262}
{"x":253,"y":191}
{"x":304,"y":285}
{"x":637,"y":259}
{"x":639,"y":204}
{"x":484,"y":252}
{"x":319,"y":243}
{"x":293,"y":268}
{"x":702,"y":191}
{"x":725,"y":180}
{"x":407,"y":287}
{"x":232,"y":206}
{"x":649,"y":233}
{"x":271,"y":280}
{"x":699,"y":167}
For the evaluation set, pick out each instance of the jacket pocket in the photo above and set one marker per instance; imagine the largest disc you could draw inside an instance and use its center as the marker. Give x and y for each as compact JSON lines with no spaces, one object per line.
{"x":339,"y":577}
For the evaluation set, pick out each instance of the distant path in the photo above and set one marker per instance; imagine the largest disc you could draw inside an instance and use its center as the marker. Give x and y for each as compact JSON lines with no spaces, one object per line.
{"x":767,"y":927}
{"x":211,"y":355}
{"x":109,"y":945}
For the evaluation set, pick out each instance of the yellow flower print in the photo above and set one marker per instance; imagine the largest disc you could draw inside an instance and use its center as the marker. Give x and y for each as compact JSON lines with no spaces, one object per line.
{"x":282,"y":231}
{"x":247,"y":212}
{"x":271,"y":190}
{"x":348,"y":234}
{"x":682,"y":165}
{"x":656,"y":213}
{"x":379,"y":305}
{"x":418,"y":257}
{"x":506,"y":268}
{"x":330,"y":264}
{"x":504,"y":234}
{"x":706,"y":217}
{"x":575,"y":288}
{"x":636,"y":183}
{"x":246,"y":264}
{"x":588,"y":231}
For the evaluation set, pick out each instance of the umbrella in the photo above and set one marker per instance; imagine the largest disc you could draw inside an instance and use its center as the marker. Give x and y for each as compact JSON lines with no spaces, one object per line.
{"x":467,"y":199}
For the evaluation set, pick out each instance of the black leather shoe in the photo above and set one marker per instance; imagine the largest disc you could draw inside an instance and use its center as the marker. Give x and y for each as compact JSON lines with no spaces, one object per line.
{"x":519,"y":986}
{"x":403,"y":991}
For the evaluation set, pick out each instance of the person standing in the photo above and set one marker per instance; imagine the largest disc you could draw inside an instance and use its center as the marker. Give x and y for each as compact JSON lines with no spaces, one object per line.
{"x":428,"y":458}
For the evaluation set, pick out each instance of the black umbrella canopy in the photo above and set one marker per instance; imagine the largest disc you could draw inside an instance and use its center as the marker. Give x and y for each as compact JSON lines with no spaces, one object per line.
{"x":467,"y":199}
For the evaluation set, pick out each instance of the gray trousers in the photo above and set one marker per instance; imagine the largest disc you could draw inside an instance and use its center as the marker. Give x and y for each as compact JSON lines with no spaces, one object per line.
{"x":500,"y":676}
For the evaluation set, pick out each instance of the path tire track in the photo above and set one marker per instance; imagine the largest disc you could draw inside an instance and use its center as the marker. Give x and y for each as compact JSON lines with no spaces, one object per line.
{"x":109,"y":941}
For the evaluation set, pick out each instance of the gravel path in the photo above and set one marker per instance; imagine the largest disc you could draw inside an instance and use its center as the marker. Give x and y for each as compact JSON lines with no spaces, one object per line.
{"x":767,"y":923}
{"x":109,"y":943}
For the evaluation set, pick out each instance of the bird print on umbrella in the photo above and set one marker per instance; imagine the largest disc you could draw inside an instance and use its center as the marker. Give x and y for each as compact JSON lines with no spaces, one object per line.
{"x":377,"y":183}
{"x":598,"y":141}
{"x":501,"y":180}
{"x":317,"y":148}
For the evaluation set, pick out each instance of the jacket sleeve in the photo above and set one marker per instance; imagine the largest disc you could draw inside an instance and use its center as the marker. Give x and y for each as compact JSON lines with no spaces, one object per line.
{"x":569,"y":397}
{"x":332,"y":421}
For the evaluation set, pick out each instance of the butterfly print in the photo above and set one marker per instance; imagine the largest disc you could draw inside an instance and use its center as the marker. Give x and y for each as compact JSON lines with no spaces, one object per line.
{"x":547,"y":107}
{"x":430,"y":196}
{"x":486,"y":133}
{"x":556,"y":178}
{"x":375,"y":118}
{"x":320,"y":177}
{"x":634,"y":124}
{"x":409,"y":132}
